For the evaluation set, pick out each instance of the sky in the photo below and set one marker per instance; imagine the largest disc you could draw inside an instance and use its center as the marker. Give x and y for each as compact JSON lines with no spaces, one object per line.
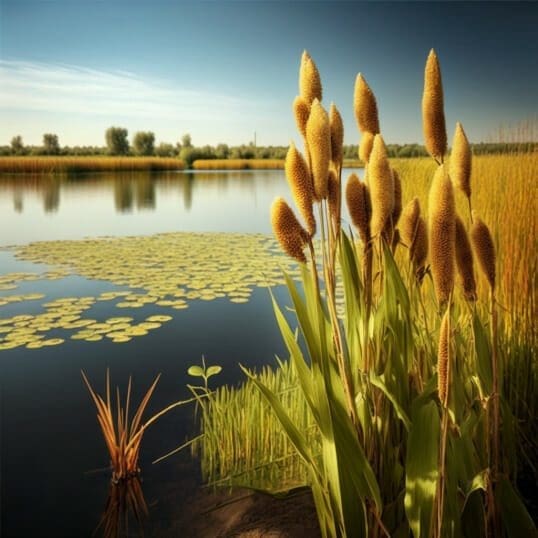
{"x":224,"y":70}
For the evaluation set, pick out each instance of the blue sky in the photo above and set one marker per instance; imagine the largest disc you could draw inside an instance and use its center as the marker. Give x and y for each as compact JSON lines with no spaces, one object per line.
{"x":222,"y":70}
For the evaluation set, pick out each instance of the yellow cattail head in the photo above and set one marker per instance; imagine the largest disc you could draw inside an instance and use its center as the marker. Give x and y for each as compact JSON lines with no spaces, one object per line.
{"x":290,"y":234}
{"x":365,"y":107}
{"x":301,"y":111}
{"x":433,"y":115}
{"x":301,"y":188}
{"x":309,"y":80}
{"x":365,"y":146}
{"x":442,"y":227}
{"x":484,"y":248}
{"x":381,"y":185}
{"x":318,"y":138}
{"x":337,"y":135}
{"x":460,"y":161}
{"x":359,"y":206}
{"x":464,"y":261}
{"x":443,"y":356}
{"x":414,"y":235}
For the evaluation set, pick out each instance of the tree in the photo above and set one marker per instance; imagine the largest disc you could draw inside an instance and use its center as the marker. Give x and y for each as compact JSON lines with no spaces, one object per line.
{"x":116,"y":141}
{"x":186,"y":141}
{"x":51,"y":146}
{"x":144,"y":143}
{"x":17,"y":146}
{"x":165,"y":150}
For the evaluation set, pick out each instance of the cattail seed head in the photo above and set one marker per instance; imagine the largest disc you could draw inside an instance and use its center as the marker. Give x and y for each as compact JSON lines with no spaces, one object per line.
{"x":301,"y":188}
{"x":318,"y":138}
{"x":414,"y":234}
{"x":337,"y":135}
{"x":301,"y":111}
{"x":309,"y":80}
{"x":381,"y":185}
{"x":359,"y":206}
{"x":365,"y":146}
{"x":464,"y":261}
{"x":443,"y":356}
{"x":290,"y":234}
{"x":460,"y":161}
{"x":442,"y":227}
{"x":433,"y":115}
{"x":484,"y":248}
{"x":365,"y":107}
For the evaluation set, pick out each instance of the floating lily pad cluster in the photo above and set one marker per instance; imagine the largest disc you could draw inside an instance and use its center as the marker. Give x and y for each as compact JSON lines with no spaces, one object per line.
{"x":165,"y":270}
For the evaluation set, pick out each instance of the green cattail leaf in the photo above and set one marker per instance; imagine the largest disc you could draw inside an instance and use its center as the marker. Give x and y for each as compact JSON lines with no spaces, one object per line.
{"x":195,"y":371}
{"x":213,"y":370}
{"x":422,"y":467}
{"x":379,"y":382}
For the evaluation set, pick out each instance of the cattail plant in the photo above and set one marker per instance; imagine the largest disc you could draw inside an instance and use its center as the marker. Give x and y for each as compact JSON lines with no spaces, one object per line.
{"x":318,"y":137}
{"x":301,"y":111}
{"x":442,"y":228}
{"x":365,"y":146}
{"x":309,"y":80}
{"x":300,"y":183}
{"x":290,"y":234}
{"x":365,"y":107}
{"x":359,"y":206}
{"x":381,"y":186}
{"x":415,"y":237}
{"x":337,"y":136}
{"x":433,"y":115}
{"x":460,"y":161}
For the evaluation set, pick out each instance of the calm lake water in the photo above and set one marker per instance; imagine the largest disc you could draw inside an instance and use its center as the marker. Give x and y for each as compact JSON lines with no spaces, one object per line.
{"x":51,"y":450}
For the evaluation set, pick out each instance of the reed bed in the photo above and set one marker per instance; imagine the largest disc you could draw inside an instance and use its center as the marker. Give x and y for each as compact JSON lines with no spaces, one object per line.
{"x":54,"y":164}
{"x":419,"y":385}
{"x":238,"y":164}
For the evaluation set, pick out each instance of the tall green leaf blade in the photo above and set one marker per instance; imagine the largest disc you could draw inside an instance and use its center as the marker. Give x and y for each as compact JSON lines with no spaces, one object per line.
{"x":422,"y":470}
{"x":516,"y":519}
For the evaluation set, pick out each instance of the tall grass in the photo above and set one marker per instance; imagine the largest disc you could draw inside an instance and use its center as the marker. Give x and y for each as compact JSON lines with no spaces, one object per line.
{"x":408,"y":381}
{"x":238,"y":164}
{"x":47,"y":165}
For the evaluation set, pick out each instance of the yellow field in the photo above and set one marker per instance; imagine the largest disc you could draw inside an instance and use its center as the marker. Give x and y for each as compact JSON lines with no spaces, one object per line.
{"x":238,"y":164}
{"x":504,"y":193}
{"x":40,"y":165}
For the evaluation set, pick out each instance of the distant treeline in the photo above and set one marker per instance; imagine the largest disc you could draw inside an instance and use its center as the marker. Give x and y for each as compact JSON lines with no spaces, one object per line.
{"x":143,"y":144}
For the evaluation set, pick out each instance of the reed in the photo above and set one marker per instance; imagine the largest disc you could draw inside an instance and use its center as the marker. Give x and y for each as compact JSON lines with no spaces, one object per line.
{"x":238,"y":164}
{"x":49,"y":165}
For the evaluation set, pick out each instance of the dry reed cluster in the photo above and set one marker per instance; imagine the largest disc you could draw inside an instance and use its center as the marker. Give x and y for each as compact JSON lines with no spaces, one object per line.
{"x":238,"y":164}
{"x":48,"y":165}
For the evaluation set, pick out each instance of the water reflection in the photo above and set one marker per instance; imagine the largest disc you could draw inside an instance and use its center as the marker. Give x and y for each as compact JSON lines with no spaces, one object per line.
{"x":126,"y":511}
{"x":51,"y":195}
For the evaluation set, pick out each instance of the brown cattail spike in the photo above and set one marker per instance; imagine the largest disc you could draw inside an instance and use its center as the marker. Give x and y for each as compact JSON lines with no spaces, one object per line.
{"x":365,"y":146}
{"x":460,"y":161}
{"x":433,"y":115}
{"x":442,"y":227}
{"x":413,"y":233}
{"x":359,"y":206}
{"x":301,"y":186}
{"x":464,"y":261}
{"x":290,"y":234}
{"x":381,"y":185}
{"x":365,"y":107}
{"x":484,"y":248}
{"x":309,"y":80}
{"x":443,"y":356}
{"x":337,"y":136}
{"x":318,"y":138}
{"x":301,"y":111}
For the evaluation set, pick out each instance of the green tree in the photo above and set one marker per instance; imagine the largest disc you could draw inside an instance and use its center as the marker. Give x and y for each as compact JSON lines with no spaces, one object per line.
{"x":51,"y":146}
{"x":186,"y":141}
{"x":17,"y":145}
{"x":116,"y":141}
{"x":144,"y":143}
{"x":165,"y":150}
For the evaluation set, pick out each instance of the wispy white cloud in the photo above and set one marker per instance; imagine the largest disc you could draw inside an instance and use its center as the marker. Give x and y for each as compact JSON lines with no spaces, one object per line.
{"x":72,"y":89}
